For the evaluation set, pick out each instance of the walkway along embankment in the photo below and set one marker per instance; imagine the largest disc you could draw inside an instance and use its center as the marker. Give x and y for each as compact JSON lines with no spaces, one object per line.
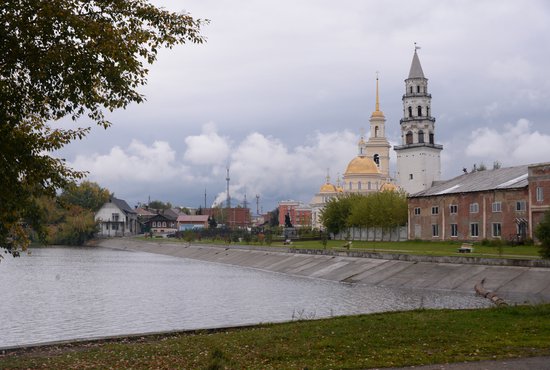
{"x":513,"y":283}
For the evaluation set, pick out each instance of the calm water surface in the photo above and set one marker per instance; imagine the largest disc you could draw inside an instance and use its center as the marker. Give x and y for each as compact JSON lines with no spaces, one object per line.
{"x":67,"y":293}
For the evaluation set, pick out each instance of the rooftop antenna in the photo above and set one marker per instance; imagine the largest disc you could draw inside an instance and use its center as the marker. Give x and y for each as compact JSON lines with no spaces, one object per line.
{"x":257,"y":204}
{"x":245,"y":202}
{"x":228,"y":198}
{"x":204,"y":198}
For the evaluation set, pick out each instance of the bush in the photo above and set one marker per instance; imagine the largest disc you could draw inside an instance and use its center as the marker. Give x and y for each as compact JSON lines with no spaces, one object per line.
{"x":542,"y":232}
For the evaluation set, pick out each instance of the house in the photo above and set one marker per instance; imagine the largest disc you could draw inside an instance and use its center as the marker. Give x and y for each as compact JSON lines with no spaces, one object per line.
{"x":162,"y":223}
{"x":116,"y":218}
{"x":238,"y":217}
{"x":189,"y":222}
{"x":504,"y":203}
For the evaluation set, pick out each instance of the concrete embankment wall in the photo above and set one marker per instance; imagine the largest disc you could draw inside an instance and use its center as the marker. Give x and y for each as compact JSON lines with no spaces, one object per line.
{"x":514,"y":283}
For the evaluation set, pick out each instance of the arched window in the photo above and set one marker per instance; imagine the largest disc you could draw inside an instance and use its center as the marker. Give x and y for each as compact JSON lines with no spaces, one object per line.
{"x":418,"y":89}
{"x":409,"y":138}
{"x":163,"y":224}
{"x":154,"y":224}
{"x":411,"y":89}
{"x":420,"y":136}
{"x":359,"y":185}
{"x":376,"y":159}
{"x":428,"y":111}
{"x":431,"y":137}
{"x":419,"y":108}
{"x":350,"y":187}
{"x":375,"y":131}
{"x":369,"y":185}
{"x":410,"y":112}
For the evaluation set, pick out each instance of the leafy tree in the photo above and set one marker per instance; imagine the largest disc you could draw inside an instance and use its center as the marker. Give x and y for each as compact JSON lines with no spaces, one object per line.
{"x":157,"y":204}
{"x":212,"y":222}
{"x":274,"y":218}
{"x":335,"y":215}
{"x":88,"y":195}
{"x":542,"y":232}
{"x":68,"y":59}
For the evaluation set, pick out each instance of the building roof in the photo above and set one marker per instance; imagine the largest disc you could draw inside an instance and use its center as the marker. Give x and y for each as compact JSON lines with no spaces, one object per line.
{"x":361,"y":165}
{"x":327,"y":188}
{"x":193,"y":218}
{"x":416,"y":68}
{"x":120,"y":203}
{"x":502,"y":178}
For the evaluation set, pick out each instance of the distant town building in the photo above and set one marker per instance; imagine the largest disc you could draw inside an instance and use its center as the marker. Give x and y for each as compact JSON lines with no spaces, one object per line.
{"x":190,"y":222}
{"x":238,"y":217}
{"x":505,"y":203}
{"x":299,"y":213}
{"x":116,"y":218}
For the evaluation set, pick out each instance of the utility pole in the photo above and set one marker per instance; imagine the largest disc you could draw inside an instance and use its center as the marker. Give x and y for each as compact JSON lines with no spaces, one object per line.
{"x":228,"y":198}
{"x":257,"y":204}
{"x":204,"y":198}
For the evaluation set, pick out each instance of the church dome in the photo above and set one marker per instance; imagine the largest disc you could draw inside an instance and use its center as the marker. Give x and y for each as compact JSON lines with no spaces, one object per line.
{"x":328,"y":188}
{"x":361,"y":165}
{"x":388,"y":186}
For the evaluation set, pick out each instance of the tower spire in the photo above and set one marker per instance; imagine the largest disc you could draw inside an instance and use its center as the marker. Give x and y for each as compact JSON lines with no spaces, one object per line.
{"x":377,"y":108}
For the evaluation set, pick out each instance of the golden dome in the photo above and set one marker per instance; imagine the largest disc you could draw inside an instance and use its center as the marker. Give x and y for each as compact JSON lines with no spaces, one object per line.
{"x":362,"y":166}
{"x":327,"y":188}
{"x":388,"y":186}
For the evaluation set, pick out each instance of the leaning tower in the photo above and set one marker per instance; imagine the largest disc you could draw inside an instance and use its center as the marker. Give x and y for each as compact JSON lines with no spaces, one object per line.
{"x":418,"y":156}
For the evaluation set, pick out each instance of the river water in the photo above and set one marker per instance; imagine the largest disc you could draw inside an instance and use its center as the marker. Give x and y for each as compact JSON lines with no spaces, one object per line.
{"x":72,"y":293}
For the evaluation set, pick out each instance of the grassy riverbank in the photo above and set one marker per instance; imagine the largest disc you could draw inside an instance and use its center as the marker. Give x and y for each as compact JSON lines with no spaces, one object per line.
{"x":404,"y":247}
{"x":365,"y":341}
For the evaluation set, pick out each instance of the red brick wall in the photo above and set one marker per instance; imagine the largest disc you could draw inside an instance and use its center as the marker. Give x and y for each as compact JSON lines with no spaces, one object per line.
{"x":485,"y":217}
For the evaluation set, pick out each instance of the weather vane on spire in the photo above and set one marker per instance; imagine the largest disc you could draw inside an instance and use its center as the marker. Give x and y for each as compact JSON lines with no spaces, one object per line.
{"x":416,"y":47}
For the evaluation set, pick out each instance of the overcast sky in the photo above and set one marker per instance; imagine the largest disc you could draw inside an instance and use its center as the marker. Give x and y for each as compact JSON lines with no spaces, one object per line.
{"x":281,"y":90}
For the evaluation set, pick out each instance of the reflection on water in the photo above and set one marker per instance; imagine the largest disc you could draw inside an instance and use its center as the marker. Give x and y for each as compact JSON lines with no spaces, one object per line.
{"x":67,"y":293}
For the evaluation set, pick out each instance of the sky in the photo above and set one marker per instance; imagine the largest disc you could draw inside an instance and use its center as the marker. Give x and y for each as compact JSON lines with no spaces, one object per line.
{"x":280,"y":91}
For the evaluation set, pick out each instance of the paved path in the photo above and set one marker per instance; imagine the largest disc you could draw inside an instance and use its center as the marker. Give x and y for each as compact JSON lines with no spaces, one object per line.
{"x":529,"y":363}
{"x":513,"y":283}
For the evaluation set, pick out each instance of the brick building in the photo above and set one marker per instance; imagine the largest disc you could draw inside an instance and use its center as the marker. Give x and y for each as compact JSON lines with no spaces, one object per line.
{"x":231,"y":217}
{"x":505,"y":203}
{"x":300,"y":214}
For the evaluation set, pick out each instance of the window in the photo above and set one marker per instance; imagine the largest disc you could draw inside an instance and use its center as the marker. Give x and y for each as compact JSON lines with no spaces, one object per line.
{"x":417,"y":211}
{"x":520,"y":205}
{"x":419,"y":109}
{"x":421,"y":136}
{"x":497,"y":207}
{"x":411,"y":89}
{"x":474,"y":208}
{"x":454,"y":230}
{"x":115,"y":217}
{"x":453,"y":208}
{"x":435,"y":210}
{"x":154,"y":224}
{"x":474,"y":229}
{"x":410,"y":112}
{"x":435,"y":230}
{"x":375,"y":131}
{"x":350,"y":187}
{"x":359,"y":185}
{"x":164,"y":224}
{"x":497,"y":230}
{"x":409,"y":138}
{"x":369,"y":185}
{"x":376,"y":159}
{"x":418,"y":89}
{"x":410,"y":176}
{"x":540,"y":194}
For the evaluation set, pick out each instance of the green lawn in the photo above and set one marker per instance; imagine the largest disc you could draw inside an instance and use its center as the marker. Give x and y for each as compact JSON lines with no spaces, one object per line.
{"x":403,"y":247}
{"x":365,"y":341}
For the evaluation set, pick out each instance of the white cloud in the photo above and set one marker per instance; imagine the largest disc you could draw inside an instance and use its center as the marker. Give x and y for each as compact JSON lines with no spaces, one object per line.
{"x":208,"y":148}
{"x":514,"y":144}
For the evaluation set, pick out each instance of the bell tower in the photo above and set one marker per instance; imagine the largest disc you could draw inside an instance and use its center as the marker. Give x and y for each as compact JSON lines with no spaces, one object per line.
{"x":378,"y":147}
{"x":418,"y":156}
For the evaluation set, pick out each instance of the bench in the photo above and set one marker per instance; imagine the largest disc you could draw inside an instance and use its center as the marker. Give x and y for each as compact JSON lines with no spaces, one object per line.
{"x":466,"y":248}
